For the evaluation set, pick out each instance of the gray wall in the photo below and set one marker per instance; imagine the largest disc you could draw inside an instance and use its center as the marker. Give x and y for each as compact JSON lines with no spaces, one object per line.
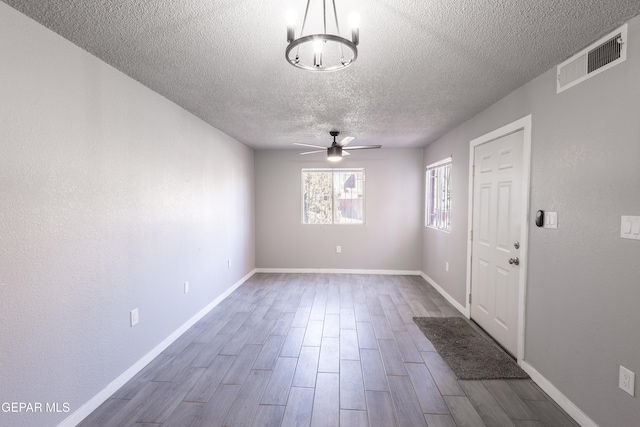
{"x":583,"y":292}
{"x":390,"y":239}
{"x":110,"y":198}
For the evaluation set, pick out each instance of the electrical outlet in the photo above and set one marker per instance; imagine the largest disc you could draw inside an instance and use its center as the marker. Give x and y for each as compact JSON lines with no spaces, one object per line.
{"x":186,"y":287}
{"x":338,"y":249}
{"x":627,"y":380}
{"x":133,"y":316}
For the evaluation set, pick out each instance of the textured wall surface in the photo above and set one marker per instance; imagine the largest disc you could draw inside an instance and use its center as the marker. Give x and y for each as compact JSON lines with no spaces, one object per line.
{"x":582,"y":318}
{"x":389,"y":240}
{"x":110,"y":198}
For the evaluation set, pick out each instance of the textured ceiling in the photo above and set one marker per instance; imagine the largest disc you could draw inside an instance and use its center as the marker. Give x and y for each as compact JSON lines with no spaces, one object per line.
{"x":424,"y":66}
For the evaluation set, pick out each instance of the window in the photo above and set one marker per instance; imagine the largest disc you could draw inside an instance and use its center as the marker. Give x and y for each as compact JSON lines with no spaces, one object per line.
{"x":438,"y":200}
{"x":333,"y":196}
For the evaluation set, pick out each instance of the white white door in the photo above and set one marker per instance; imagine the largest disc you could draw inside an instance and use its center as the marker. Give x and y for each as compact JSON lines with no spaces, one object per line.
{"x":496,"y":227}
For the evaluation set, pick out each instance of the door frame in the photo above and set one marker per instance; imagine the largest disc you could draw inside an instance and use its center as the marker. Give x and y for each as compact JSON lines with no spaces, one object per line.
{"x":523,"y":124}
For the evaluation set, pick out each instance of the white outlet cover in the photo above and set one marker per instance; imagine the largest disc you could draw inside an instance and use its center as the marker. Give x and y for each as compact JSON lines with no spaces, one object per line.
{"x":338,"y":249}
{"x":627,"y":380}
{"x":186,"y":287}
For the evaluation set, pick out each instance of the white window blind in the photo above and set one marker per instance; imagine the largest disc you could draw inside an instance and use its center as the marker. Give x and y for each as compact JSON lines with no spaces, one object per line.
{"x":438,"y":195}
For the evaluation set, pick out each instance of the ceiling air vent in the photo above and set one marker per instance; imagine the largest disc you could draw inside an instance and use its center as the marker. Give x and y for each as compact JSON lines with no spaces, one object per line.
{"x":600,"y":56}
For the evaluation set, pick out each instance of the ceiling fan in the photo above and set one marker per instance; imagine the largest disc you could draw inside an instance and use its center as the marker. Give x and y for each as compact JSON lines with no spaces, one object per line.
{"x":337,"y":149}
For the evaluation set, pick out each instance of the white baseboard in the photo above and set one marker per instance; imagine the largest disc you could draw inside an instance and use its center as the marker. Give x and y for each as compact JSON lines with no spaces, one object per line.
{"x":462,"y":309}
{"x":562,"y":400}
{"x":92,"y":404}
{"x":337,"y":271}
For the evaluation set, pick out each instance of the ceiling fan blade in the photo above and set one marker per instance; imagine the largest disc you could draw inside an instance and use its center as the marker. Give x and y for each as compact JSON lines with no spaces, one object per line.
{"x":312,"y":152}
{"x":346,"y":140}
{"x":309,"y":145}
{"x":345,"y":152}
{"x":362,"y":147}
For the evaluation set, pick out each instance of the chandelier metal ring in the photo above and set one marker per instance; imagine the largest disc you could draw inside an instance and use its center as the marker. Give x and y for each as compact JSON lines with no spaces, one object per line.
{"x":326,"y":38}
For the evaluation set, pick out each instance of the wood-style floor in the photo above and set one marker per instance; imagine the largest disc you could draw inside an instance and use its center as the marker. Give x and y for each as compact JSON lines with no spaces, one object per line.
{"x":319,"y":350}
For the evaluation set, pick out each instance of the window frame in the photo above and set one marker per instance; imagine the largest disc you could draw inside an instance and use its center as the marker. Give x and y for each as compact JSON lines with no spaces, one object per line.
{"x":333,"y":170}
{"x":444,"y":209}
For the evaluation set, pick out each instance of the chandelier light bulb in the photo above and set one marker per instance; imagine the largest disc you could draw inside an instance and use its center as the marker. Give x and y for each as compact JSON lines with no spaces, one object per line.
{"x":291,"y":17}
{"x":317,"y":52}
{"x":317,"y":46}
{"x":354,"y":20}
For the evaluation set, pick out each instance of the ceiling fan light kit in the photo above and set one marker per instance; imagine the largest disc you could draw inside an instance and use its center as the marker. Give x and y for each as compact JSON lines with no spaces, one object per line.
{"x":337,"y":149}
{"x":334,"y":153}
{"x":321,"y":51}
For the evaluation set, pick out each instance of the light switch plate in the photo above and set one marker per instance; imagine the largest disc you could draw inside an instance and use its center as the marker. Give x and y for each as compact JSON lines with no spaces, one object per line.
{"x":630,"y":227}
{"x":133,"y":317}
{"x":550,"y":219}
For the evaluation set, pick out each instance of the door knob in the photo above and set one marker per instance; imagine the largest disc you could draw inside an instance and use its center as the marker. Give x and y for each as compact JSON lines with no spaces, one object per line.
{"x":515,"y":261}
